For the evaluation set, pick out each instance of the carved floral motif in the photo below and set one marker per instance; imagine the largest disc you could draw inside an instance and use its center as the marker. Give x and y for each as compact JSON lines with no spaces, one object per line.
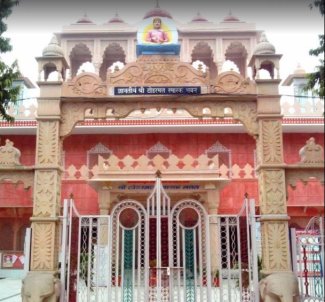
{"x":273,"y":193}
{"x":47,"y":143}
{"x":272,"y":141}
{"x":45,"y":197}
{"x":276,"y":240}
{"x":43,"y":249}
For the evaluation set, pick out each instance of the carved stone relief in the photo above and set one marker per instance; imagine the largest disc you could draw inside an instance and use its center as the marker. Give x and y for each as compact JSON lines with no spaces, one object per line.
{"x":45,"y":193}
{"x":271,"y":142}
{"x":9,"y":155}
{"x":10,"y":167}
{"x":16,"y":176}
{"x":275,"y":240}
{"x":273,"y":192}
{"x":43,"y":246}
{"x":304,"y":175}
{"x":47,"y":151}
{"x":158,"y":70}
{"x":311,"y":165}
{"x":311,"y":153}
{"x":233,"y":82}
{"x":86,"y":84}
{"x":73,"y":112}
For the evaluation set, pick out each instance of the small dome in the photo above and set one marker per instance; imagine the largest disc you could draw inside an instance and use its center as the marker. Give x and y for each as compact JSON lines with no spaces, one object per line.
{"x":53,"y":49}
{"x":299,"y":70}
{"x":116,"y":19}
{"x":264,"y":47}
{"x":230,"y":18}
{"x":199,"y":18}
{"x":84,"y":20}
{"x":157,"y":12}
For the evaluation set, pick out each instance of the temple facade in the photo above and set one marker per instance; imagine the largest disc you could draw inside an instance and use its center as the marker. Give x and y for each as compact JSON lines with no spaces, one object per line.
{"x":148,"y":169}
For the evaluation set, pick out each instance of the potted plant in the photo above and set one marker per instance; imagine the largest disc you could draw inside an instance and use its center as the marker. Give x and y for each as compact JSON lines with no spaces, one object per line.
{"x":216,"y":278}
{"x":153,"y":273}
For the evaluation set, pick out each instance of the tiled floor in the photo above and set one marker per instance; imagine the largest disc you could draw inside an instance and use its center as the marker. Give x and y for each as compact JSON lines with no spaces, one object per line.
{"x":10,"y":290}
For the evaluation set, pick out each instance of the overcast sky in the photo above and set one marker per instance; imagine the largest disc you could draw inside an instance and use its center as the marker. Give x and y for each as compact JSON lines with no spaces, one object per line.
{"x":291,"y":26}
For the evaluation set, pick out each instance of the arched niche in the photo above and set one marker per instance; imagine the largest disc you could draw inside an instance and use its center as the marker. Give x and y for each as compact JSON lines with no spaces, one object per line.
{"x":203,"y":52}
{"x":48,"y":69}
{"x":113,"y":53}
{"x":268,"y":66}
{"x":79,"y":55}
{"x":237,"y":53}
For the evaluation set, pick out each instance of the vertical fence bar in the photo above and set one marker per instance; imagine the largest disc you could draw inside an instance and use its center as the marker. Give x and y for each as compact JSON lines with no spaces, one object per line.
{"x":65,"y":223}
{"x":254,"y":249}
{"x":69,"y":249}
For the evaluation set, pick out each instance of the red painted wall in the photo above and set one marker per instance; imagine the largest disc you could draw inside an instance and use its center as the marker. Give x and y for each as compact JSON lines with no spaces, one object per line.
{"x":242,"y":148}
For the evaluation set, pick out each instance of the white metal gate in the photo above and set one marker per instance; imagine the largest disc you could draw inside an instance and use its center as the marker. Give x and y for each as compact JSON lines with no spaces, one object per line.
{"x":159,"y":253}
{"x":234,"y":255}
{"x":84,"y":256}
{"x":308,"y":260}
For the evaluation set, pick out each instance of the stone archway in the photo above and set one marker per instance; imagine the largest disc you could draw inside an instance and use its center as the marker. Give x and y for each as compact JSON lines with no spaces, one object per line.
{"x":59,"y":112}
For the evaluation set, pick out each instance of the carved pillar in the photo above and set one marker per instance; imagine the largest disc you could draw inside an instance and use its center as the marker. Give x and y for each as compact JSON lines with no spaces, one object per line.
{"x":213,"y":200}
{"x":47,"y":187}
{"x":104,"y":209}
{"x":271,"y":177}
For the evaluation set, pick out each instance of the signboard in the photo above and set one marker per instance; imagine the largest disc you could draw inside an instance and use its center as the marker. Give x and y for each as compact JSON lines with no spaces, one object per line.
{"x":12,"y":260}
{"x":154,"y":90}
{"x":150,"y":187}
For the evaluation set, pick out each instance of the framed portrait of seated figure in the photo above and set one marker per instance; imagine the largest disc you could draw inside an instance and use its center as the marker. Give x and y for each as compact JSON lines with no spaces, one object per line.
{"x":157,"y":35}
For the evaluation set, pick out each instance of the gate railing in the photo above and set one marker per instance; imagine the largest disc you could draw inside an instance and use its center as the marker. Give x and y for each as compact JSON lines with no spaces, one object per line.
{"x":234,"y":236}
{"x":226,"y":269}
{"x":84,"y":256}
{"x":308,"y":259}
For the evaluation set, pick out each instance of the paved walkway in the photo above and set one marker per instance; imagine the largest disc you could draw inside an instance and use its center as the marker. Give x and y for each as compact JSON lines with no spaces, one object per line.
{"x":10,"y":290}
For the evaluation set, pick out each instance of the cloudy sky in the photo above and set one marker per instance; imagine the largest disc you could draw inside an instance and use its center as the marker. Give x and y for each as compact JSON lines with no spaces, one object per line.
{"x":289,"y":24}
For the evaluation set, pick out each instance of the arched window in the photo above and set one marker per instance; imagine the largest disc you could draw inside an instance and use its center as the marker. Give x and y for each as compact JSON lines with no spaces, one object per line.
{"x":113,"y":53}
{"x":203,"y":52}
{"x":79,"y":55}
{"x":237,"y":53}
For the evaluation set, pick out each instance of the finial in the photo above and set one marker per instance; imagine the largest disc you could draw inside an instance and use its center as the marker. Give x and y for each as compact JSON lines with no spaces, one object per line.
{"x":157,"y":4}
{"x":158,"y":174}
{"x":263,"y":38}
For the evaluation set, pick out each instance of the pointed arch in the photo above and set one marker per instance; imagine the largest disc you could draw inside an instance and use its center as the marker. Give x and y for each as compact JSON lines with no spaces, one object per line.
{"x":237,"y":53}
{"x":203,"y":52}
{"x":113,"y":53}
{"x":79,"y":54}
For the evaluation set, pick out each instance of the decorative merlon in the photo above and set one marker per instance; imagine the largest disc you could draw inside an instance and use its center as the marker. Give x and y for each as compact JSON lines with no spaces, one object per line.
{"x":311,"y":153}
{"x":311,"y":165}
{"x":10,"y":167}
{"x":9,"y":155}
